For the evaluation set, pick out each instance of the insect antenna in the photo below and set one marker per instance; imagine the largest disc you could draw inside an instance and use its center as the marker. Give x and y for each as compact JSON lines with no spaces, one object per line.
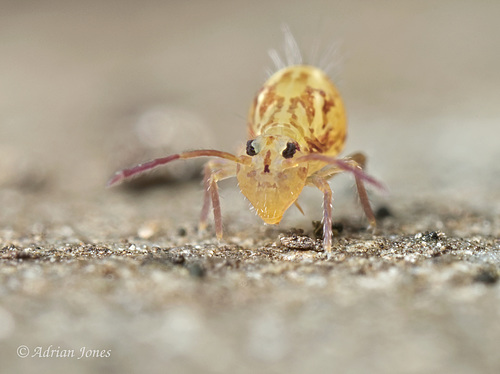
{"x":341,"y":164}
{"x":128,"y":173}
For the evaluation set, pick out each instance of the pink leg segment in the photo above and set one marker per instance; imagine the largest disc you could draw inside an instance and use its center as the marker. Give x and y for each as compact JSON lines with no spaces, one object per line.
{"x":214,"y":192}
{"x":353,"y":164}
{"x":206,"y":198}
{"x":215,"y":170}
{"x":365,"y":202}
{"x":224,"y":168}
{"x":324,"y":187}
{"x":139,"y":169}
{"x":341,"y":164}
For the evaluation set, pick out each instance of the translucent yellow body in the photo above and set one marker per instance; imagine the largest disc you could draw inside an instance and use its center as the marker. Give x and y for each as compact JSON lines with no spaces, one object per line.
{"x":297,"y":104}
{"x":296,"y":127}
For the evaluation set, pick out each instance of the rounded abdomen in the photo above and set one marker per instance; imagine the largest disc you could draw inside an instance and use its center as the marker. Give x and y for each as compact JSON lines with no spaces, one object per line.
{"x":301,"y":102}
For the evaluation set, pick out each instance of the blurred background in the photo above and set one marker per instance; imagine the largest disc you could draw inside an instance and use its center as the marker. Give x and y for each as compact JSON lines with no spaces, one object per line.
{"x":89,"y":87}
{"x":420,"y":80}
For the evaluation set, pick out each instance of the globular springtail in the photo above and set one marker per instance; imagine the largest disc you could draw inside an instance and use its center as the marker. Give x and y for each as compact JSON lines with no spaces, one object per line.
{"x":296,"y":129}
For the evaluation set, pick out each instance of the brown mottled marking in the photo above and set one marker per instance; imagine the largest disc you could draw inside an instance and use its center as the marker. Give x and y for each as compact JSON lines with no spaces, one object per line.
{"x":293,"y":97}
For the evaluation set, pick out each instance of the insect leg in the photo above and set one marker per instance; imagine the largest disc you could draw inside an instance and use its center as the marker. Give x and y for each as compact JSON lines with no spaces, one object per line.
{"x":207,"y":173}
{"x":136,"y":170}
{"x":349,"y":164}
{"x":299,"y":207}
{"x":215,"y":170}
{"x":365,"y":202}
{"x":354,"y":163}
{"x":355,"y":160}
{"x":328,"y":172}
{"x":359,"y":160}
{"x":324,"y":187}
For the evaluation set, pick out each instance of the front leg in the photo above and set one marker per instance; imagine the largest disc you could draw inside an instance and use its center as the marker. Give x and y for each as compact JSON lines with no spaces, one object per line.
{"x":358,"y":161}
{"x":214,"y":171}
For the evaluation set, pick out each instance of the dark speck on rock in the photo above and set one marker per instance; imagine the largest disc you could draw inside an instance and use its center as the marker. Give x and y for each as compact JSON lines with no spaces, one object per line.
{"x":177,"y":259}
{"x":432,"y":236}
{"x":196,"y":270}
{"x":382,"y":213}
{"x":487,"y":276}
{"x":337,"y":228}
{"x":300,"y":242}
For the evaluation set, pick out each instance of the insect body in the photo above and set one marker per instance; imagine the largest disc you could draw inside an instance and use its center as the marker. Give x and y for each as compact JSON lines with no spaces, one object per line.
{"x":296,"y":128}
{"x":298,"y":112}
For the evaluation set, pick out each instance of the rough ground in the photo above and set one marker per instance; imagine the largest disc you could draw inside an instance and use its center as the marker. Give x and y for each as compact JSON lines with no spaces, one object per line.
{"x":123,"y":275}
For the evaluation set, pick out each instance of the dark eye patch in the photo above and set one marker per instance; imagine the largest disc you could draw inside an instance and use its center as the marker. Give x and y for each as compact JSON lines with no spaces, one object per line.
{"x":250,"y":149}
{"x":290,"y":150}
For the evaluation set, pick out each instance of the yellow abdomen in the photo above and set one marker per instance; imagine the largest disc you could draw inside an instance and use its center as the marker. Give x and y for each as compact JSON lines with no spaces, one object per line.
{"x":301,"y":102}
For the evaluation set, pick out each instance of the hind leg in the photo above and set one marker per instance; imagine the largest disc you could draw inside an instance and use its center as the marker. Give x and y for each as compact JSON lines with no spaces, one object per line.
{"x":359,"y":160}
